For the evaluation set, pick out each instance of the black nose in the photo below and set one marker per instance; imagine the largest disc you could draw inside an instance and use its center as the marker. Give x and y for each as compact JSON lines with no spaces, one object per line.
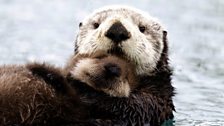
{"x":118,"y":33}
{"x":112,"y":70}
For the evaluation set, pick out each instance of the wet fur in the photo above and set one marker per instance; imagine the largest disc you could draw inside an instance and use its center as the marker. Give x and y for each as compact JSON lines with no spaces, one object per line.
{"x":36,"y":94}
{"x":41,"y":94}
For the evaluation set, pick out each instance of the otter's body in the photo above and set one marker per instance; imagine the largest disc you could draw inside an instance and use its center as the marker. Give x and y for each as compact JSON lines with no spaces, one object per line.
{"x":137,"y":38}
{"x":30,"y":96}
{"x":148,"y":101}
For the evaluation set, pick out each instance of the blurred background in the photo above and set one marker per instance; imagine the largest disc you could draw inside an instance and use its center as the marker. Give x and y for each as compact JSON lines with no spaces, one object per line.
{"x":44,"y":30}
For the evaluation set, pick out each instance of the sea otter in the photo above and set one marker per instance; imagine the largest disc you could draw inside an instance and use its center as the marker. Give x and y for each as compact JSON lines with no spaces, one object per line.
{"x":122,"y":32}
{"x":41,"y":94}
{"x":140,"y":39}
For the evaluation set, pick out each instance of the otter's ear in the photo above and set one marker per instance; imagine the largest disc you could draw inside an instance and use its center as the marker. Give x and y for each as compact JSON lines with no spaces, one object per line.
{"x":80,"y":24}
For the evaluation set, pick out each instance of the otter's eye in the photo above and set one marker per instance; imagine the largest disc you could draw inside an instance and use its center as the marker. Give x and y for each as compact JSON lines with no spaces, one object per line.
{"x":80,"y":24}
{"x":142,"y":29}
{"x":96,"y":25}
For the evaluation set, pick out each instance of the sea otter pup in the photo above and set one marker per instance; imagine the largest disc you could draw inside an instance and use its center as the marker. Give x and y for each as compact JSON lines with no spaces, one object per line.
{"x":105,"y":73}
{"x":141,"y":40}
{"x":40,"y":94}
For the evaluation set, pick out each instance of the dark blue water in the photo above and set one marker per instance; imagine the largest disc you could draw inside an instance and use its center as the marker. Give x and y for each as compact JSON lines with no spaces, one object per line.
{"x":45,"y":31}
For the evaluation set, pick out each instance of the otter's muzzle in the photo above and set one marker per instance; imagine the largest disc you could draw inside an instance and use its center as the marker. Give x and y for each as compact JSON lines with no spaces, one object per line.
{"x":117,"y":33}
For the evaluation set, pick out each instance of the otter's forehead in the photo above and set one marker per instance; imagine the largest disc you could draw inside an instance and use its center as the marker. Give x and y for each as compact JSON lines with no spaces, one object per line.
{"x":137,"y":16}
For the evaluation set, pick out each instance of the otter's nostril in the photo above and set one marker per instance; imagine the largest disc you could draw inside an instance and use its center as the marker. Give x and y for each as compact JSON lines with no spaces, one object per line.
{"x":118,"y":33}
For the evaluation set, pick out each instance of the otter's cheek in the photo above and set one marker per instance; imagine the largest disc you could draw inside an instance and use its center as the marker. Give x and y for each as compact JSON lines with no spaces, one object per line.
{"x":141,"y":52}
{"x":83,"y":70}
{"x":102,"y":42}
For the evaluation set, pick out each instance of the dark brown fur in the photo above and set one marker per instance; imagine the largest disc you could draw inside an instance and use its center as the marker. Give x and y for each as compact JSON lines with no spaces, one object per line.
{"x":35,"y":95}
{"x":40,"y":94}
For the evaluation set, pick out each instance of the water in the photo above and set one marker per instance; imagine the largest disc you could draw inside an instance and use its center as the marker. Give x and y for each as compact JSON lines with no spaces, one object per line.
{"x":45,"y":31}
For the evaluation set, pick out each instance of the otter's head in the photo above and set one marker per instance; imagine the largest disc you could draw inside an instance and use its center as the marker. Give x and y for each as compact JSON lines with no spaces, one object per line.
{"x":124,"y":32}
{"x":109,"y":74}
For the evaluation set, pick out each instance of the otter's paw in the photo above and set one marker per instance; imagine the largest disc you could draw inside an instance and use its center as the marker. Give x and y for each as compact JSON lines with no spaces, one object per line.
{"x":50,"y":74}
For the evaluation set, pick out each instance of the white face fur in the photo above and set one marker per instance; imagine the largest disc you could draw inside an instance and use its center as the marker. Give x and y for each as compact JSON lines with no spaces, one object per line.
{"x":144,"y":47}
